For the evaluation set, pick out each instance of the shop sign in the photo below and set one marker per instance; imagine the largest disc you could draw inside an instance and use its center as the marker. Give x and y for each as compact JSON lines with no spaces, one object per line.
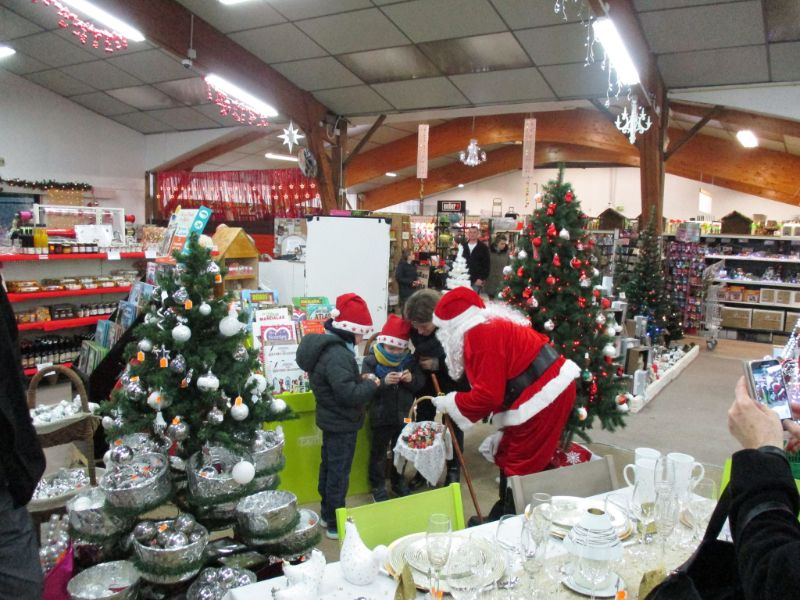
{"x":451,"y":206}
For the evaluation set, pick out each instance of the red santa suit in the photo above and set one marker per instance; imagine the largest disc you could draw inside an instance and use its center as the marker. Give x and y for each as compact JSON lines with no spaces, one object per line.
{"x":493,"y":346}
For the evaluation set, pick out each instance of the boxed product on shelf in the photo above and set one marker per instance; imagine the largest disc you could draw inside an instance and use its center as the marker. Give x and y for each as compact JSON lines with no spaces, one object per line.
{"x":767,"y":296}
{"x":790,"y":321}
{"x":769,"y":320}
{"x":752,"y":295}
{"x":736,"y":318}
{"x":795,"y":298}
{"x":783,"y":297}
{"x":735,"y":293}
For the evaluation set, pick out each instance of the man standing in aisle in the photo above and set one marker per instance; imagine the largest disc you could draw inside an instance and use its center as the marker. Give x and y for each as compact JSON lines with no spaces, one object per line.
{"x":516,"y":376}
{"x":21,"y":466}
{"x":478,"y":260}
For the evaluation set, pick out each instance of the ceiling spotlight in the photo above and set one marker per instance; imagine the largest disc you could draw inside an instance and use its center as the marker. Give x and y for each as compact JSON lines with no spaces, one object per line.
{"x":747,"y":138}
{"x":6,"y":51}
{"x":461,"y":185}
{"x":107,"y":19}
{"x":390,"y":174}
{"x":286,"y":157}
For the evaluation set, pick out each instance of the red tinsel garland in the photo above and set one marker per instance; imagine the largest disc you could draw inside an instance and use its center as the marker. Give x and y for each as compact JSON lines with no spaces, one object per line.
{"x":83,"y":30}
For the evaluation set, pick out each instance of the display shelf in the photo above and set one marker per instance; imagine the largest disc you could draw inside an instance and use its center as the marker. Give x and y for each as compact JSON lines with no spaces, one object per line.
{"x":94,"y":256}
{"x":57,"y":324}
{"x":753,"y":258}
{"x":239,"y":276}
{"x":67,"y":293}
{"x":759,"y":304}
{"x":741,"y":236}
{"x":33,"y":370}
{"x":759,"y":282}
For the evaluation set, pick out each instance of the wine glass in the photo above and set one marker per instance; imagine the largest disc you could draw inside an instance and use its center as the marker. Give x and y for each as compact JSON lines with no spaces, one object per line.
{"x":532,"y":544}
{"x":504,"y":536}
{"x":437,"y":545}
{"x":593,"y":572}
{"x":540,"y":514}
{"x":642,"y":505}
{"x":702,"y":501}
{"x":666,"y":514}
{"x":465,"y":572}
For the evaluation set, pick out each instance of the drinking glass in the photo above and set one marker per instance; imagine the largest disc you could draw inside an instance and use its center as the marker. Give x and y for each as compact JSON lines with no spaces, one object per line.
{"x":593,"y":572}
{"x":437,"y":545}
{"x":702,"y":501}
{"x":540,"y":515}
{"x":643,"y":503}
{"x":666,"y":514}
{"x":505,"y":534}
{"x":532,"y":544}
{"x":465,"y":572}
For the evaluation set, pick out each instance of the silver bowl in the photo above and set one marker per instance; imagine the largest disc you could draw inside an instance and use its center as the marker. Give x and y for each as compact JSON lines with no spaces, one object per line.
{"x":217,"y":587}
{"x":117,"y":580}
{"x":301,"y":539}
{"x":270,"y":454}
{"x":266,"y":513}
{"x":222,"y":484}
{"x":94,"y":520}
{"x":171,"y":558}
{"x":147,"y":492}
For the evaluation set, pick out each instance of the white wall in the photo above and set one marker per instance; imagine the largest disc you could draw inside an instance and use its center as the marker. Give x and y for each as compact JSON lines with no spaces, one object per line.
{"x":598,"y":189}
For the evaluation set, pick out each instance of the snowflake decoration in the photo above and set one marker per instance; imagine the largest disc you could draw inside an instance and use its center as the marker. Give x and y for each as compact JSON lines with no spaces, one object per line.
{"x":572,"y":457}
{"x":291,"y":136}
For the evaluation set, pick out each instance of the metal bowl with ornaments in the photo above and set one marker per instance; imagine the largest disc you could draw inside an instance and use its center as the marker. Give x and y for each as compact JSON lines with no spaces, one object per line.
{"x":143,"y":482}
{"x":117,"y":580}
{"x":89,"y":517}
{"x":267,"y":450}
{"x":297,"y":542}
{"x":267,"y":514}
{"x":173,"y":554}
{"x":210,"y":477}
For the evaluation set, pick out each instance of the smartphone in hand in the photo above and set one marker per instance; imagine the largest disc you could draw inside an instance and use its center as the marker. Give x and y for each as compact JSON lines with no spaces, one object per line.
{"x":766,"y":385}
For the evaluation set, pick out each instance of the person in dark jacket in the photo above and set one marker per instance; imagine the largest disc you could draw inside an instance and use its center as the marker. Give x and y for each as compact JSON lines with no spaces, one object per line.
{"x":342,"y":395}
{"x":499,"y":259}
{"x":478,"y":260}
{"x":22,"y":463}
{"x":430,"y":356}
{"x":406,"y":276}
{"x":401,"y":378}
{"x":764,"y":501}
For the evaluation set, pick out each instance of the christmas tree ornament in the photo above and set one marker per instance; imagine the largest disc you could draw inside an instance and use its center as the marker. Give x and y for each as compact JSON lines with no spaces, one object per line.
{"x":551,"y":230}
{"x":145,"y":531}
{"x":214,"y":269}
{"x":178,"y":364}
{"x":522,"y":255}
{"x":145,"y":345}
{"x":135,"y":390}
{"x":121,"y":454}
{"x":184,"y":523}
{"x":159,"y":424}
{"x":187,"y":379}
{"x":215,"y":416}
{"x":609,"y":350}
{"x":507,"y":270}
{"x":537,"y":241}
{"x":596,"y":292}
{"x":600,"y":319}
{"x":181,"y":333}
{"x":568,"y":197}
{"x":177,"y":430}
{"x":188,"y":304}
{"x":278,"y":405}
{"x":107,"y":423}
{"x":204,"y":309}
{"x":586,"y":375}
{"x":551,"y":209}
{"x":581,"y":302}
{"x":618,"y":328}
{"x":177,"y":539}
{"x":575,"y":263}
{"x":563,"y":234}
{"x":230,"y":325}
{"x":595,"y":273}
{"x":208,"y":382}
{"x":532,"y":302}
{"x":550,"y":280}
{"x":260,"y":382}
{"x":240,"y":354}
{"x":611,"y":332}
{"x":585,"y":282}
{"x":582,"y":413}
{"x":624,"y":408}
{"x":605,"y":303}
{"x":239,"y":411}
{"x":243,"y":472}
{"x":155,"y":400}
{"x":556,"y":260}
{"x":180,"y":295}
{"x":579,"y":246}
{"x":549,"y":325}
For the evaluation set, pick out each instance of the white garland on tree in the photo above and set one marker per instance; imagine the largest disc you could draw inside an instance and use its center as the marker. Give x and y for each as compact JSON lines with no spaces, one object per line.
{"x":459,"y":272}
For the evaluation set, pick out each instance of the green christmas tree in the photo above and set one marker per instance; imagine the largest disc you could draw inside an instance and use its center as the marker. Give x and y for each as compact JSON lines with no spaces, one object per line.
{"x":646,"y":290}
{"x":553,"y":278}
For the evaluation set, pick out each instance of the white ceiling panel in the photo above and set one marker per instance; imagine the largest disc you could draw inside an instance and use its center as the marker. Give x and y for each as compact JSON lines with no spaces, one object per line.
{"x":704,"y":27}
{"x":183,"y":118}
{"x":278,"y":43}
{"x":645,"y":5}
{"x":151,"y":66}
{"x":426,"y":20}
{"x":504,"y":86}
{"x":102,"y":103}
{"x":52,"y":49}
{"x":142,"y":122}
{"x":784,"y":61}
{"x":235,"y":17}
{"x":521,"y":14}
{"x":317,"y":73}
{"x":212,"y":112}
{"x":21,"y":64}
{"x":576,"y":80}
{"x":13,"y":26}
{"x":59,"y":83}
{"x":306,"y":9}
{"x":101,"y":75}
{"x":38,"y":13}
{"x":144,"y":97}
{"x":792,"y":144}
{"x":554,"y":45}
{"x":741,"y":65}
{"x":354,"y":31}
{"x":431,"y":92}
{"x":186,"y":91}
{"x":359,"y":99}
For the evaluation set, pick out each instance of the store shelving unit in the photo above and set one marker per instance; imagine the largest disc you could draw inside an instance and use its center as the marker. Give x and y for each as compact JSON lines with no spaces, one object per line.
{"x":237,"y":248}
{"x":15,"y":298}
{"x":48,"y":257}
{"x":59,"y":324}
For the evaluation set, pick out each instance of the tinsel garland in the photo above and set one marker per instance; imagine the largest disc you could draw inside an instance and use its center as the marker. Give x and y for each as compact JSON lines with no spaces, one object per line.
{"x":161,"y":571}
{"x":95,"y":539}
{"x":278,"y":533}
{"x":47,"y":185}
{"x":119,"y":511}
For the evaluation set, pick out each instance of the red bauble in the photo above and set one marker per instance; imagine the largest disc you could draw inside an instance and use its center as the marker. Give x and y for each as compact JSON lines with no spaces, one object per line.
{"x":556,"y":260}
{"x":593,"y":389}
{"x":551,"y":208}
{"x":527,"y":292}
{"x":506,"y":292}
{"x":550,"y":280}
{"x":551,"y":230}
{"x":590,"y":243}
{"x":575,"y":263}
{"x":605,"y":303}
{"x":596,"y":293}
{"x":537,"y":241}
{"x":609,"y":359}
{"x":520,"y":271}
{"x":582,"y":302}
{"x":620,"y":371}
{"x":569,"y":197}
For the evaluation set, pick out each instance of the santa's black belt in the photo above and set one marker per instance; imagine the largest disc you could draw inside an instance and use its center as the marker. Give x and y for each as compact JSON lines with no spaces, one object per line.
{"x":514,"y":387}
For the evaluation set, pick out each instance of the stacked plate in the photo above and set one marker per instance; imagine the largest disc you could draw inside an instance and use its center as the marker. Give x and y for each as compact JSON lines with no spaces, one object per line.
{"x":567,"y":511}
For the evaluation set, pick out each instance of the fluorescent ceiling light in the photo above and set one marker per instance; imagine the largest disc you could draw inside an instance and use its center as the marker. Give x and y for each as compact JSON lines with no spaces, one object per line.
{"x":233,"y":1}
{"x":390,"y":174}
{"x":287,"y":157}
{"x":606,"y":33}
{"x":257,"y":106}
{"x":6,"y":51}
{"x":461,"y":185}
{"x":747,"y":138}
{"x":107,"y":19}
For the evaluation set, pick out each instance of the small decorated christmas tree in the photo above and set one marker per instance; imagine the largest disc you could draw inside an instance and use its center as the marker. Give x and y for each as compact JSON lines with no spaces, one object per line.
{"x":553,"y":278}
{"x":459,"y":271}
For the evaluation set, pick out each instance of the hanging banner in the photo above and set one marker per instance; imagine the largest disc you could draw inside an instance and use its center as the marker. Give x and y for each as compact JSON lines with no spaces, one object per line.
{"x":422,"y":151}
{"x":528,"y":147}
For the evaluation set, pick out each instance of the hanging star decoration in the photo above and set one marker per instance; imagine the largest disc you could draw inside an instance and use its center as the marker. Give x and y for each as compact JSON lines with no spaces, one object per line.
{"x":291,"y":136}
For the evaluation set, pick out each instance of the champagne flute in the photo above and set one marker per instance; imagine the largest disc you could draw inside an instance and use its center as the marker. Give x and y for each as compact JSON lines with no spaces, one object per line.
{"x":532,"y":545}
{"x":540,"y":515}
{"x":437,"y":544}
{"x":701,"y":504}
{"x":666,"y":514}
{"x":504,"y":535}
{"x":642,"y":505}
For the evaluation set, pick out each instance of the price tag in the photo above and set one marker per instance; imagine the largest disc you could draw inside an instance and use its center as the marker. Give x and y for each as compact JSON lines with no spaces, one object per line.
{"x":44,"y":366}
{"x":725,"y":240}
{"x":150,"y":253}
{"x":113,"y":255}
{"x":44,"y":256}
{"x":769,"y":242}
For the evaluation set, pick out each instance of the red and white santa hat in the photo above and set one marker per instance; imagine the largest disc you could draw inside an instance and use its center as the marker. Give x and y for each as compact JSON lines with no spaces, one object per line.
{"x":352,"y":314}
{"x":395,"y":332}
{"x":456,"y":307}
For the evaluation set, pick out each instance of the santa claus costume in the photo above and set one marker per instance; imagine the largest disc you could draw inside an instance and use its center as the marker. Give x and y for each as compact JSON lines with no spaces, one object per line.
{"x":516,"y":376}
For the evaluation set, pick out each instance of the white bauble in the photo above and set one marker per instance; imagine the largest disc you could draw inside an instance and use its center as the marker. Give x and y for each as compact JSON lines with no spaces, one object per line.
{"x":145,"y":345}
{"x":230,"y":325}
{"x":582,"y":413}
{"x":205,"y":242}
{"x":239,"y":411}
{"x":609,"y":350}
{"x":611,"y":331}
{"x":624,"y":408}
{"x":618,"y":328}
{"x":243,"y":472}
{"x":549,"y":325}
{"x":181,"y":333}
{"x":205,"y":309}
{"x":107,"y":422}
{"x":563,"y":234}
{"x":522,"y":255}
{"x":156,"y":400}
{"x":208,"y":382}
{"x":107,"y":457}
{"x":260,"y":380}
{"x":507,"y":270}
{"x":278,"y":405}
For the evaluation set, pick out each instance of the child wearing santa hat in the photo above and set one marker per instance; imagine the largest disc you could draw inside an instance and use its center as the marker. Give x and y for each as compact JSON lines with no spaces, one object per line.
{"x":342,"y":395}
{"x":400,"y":378}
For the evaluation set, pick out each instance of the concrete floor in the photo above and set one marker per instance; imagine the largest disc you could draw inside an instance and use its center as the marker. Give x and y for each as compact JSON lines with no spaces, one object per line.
{"x":689,"y":415}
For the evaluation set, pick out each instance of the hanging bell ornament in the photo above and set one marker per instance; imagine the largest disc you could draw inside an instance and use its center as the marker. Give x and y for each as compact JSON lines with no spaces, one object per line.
{"x":240,"y":354}
{"x":239,"y":410}
{"x":208,"y":382}
{"x":563,"y":234}
{"x":178,"y":430}
{"x":522,"y":255}
{"x":178,"y":364}
{"x":215,"y":416}
{"x":230,"y":325}
{"x":181,"y":333}
{"x":204,"y":309}
{"x":556,"y":260}
{"x":549,"y":325}
{"x":145,"y":345}
{"x":180,"y":295}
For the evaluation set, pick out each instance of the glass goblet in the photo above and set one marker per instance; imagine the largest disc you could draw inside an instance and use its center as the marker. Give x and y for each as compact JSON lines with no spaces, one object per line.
{"x":437,"y":544}
{"x":506,"y":534}
{"x":702,"y":500}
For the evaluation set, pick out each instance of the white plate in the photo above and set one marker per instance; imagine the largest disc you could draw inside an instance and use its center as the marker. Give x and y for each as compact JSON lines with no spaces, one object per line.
{"x":609,"y":591}
{"x":567,"y":510}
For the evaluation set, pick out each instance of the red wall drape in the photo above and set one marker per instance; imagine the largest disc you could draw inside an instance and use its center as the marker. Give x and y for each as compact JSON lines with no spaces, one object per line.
{"x":240,"y":195}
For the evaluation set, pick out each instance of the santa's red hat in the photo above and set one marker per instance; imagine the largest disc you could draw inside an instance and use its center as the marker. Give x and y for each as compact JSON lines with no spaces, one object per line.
{"x":395,"y":332}
{"x":456,"y":307}
{"x":351,"y":314}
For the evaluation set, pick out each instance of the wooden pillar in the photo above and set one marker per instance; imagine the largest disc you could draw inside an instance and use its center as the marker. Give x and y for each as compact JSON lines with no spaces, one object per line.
{"x":316,"y":138}
{"x":651,"y":157}
{"x":338,"y":153}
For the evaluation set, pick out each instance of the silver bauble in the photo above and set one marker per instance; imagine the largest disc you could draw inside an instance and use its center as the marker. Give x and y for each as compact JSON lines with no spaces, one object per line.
{"x":162,"y":537}
{"x":121,"y":454}
{"x":205,"y":309}
{"x":208,"y":382}
{"x":585,"y":282}
{"x":507,"y":270}
{"x":178,"y":431}
{"x":207,"y":576}
{"x":226,"y":576}
{"x":609,"y":350}
{"x":181,"y":333}
{"x":107,"y":422}
{"x":242,"y":580}
{"x":195,"y":536}
{"x":600,"y":319}
{"x":145,"y":345}
{"x":145,"y":531}
{"x":212,"y":267}
{"x":180,"y":268}
{"x":177,"y":540}
{"x":549,"y":325}
{"x":240,"y":354}
{"x":180,"y":295}
{"x":135,"y":390}
{"x":178,"y":364}
{"x":184,"y":523}
{"x":522,"y":255}
{"x":215,"y":416}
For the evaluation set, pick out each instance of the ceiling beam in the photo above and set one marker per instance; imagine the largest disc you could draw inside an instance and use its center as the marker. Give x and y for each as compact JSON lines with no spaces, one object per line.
{"x":227,"y":143}
{"x":711,"y":114}
{"x":453,"y":136}
{"x":498,"y":161}
{"x":773,"y":128}
{"x":367,"y":136}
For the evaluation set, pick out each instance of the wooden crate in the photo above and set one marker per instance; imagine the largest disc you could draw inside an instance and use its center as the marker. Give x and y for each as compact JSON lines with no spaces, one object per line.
{"x":736,"y":318}
{"x":769,"y":320}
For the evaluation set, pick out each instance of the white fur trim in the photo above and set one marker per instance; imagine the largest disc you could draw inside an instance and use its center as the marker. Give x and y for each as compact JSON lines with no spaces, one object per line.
{"x":447,"y":404}
{"x":335,"y":312}
{"x":392,"y":341}
{"x":459,"y":319}
{"x":356,"y":328}
{"x":540,"y":400}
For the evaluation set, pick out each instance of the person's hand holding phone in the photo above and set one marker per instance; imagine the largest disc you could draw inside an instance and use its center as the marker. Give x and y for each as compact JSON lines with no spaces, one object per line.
{"x":405,"y":376}
{"x":392,"y":378}
{"x":752,"y":423}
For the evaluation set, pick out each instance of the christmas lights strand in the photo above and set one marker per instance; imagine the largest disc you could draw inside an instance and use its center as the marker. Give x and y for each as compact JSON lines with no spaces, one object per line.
{"x":47,"y":185}
{"x":84,"y":30}
{"x":239,"y":111}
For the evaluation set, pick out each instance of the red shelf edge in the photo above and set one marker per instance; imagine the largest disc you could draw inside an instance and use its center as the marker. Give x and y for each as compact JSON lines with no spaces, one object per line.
{"x":57,"y":324}
{"x":94,"y":256}
{"x":33,"y":370}
{"x":67,"y":293}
